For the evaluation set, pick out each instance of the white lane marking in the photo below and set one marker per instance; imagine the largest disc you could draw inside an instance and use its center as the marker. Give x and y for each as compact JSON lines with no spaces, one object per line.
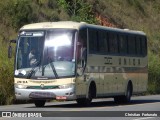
{"x":144,"y":118}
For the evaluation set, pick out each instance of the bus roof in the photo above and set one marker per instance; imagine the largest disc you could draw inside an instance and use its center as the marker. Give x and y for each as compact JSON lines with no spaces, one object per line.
{"x":75,"y":25}
{"x":50,"y":25}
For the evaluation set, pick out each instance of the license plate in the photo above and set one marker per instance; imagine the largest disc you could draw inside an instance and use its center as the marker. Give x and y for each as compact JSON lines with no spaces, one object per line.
{"x":61,"y":97}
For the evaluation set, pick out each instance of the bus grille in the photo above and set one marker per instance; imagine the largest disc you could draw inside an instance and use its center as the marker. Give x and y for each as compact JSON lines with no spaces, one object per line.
{"x":42,"y":95}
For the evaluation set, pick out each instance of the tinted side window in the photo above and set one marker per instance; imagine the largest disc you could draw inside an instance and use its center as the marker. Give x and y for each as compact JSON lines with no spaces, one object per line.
{"x":113,"y":43}
{"x":93,"y":43}
{"x":103,"y":43}
{"x":144,"y":45}
{"x":122,"y":44}
{"x":83,"y":37}
{"x":131,"y":45}
{"x":138,"y":46}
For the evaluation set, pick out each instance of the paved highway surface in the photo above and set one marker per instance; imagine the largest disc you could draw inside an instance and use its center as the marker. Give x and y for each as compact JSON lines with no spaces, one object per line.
{"x":146,"y":105}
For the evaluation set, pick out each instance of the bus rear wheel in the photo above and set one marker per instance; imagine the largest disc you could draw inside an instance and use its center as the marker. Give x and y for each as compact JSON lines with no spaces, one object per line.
{"x":39,"y":103}
{"x":125,"y":98}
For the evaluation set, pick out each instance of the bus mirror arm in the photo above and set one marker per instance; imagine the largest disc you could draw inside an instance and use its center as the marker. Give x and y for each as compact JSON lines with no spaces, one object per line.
{"x":10,"y":48}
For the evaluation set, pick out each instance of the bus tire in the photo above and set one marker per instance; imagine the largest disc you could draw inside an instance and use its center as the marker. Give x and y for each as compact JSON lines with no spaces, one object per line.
{"x":125,"y":98}
{"x":83,"y":101}
{"x":91,"y":94}
{"x":39,"y":103}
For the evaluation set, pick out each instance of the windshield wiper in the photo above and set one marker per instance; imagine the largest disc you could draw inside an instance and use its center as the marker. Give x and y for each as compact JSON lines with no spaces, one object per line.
{"x":53,"y":68}
{"x":32,"y":70}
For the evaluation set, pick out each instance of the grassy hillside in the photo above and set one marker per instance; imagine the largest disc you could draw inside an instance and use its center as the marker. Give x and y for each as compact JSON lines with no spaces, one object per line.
{"x":132,"y":14}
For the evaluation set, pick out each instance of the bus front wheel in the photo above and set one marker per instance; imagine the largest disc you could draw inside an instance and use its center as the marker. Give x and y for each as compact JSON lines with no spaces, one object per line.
{"x":91,"y":95}
{"x":39,"y":103}
{"x":85,"y":101}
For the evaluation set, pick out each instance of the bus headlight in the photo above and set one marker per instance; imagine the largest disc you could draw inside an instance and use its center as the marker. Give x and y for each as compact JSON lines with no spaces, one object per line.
{"x":20,"y":86}
{"x":66,"y":86}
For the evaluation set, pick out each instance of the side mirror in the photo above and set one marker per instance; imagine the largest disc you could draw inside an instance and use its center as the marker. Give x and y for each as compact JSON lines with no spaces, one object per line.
{"x":10,"y":48}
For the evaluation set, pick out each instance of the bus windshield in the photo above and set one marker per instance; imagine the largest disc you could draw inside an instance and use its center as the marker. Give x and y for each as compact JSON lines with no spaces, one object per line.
{"x":45,"y":54}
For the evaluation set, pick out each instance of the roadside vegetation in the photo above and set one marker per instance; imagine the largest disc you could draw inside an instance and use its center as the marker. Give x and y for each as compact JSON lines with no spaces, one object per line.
{"x":141,"y":15}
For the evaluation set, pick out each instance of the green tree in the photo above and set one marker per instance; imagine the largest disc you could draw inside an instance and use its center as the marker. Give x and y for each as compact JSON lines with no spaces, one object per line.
{"x":21,"y":13}
{"x":78,"y":10}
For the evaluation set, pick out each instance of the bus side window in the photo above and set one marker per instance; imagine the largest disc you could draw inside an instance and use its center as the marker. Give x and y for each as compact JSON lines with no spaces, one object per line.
{"x":82,"y":47}
{"x":103,"y":43}
{"x":93,"y":42}
{"x":138,"y":46}
{"x":144,"y":46}
{"x":122,"y":44}
{"x":113,"y":43}
{"x":131,"y":45}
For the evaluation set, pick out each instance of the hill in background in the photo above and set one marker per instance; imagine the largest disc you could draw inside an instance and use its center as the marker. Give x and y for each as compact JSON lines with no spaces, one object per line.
{"x":142,"y":15}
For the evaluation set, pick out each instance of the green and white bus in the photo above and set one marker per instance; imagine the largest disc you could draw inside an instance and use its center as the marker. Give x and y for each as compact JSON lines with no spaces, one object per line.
{"x":78,"y":61}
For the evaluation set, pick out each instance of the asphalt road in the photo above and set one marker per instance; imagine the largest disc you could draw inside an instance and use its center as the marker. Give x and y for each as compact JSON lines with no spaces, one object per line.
{"x":100,"y":109}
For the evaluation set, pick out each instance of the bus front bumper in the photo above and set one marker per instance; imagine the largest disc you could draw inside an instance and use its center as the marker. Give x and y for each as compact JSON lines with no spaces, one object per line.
{"x":47,"y":94}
